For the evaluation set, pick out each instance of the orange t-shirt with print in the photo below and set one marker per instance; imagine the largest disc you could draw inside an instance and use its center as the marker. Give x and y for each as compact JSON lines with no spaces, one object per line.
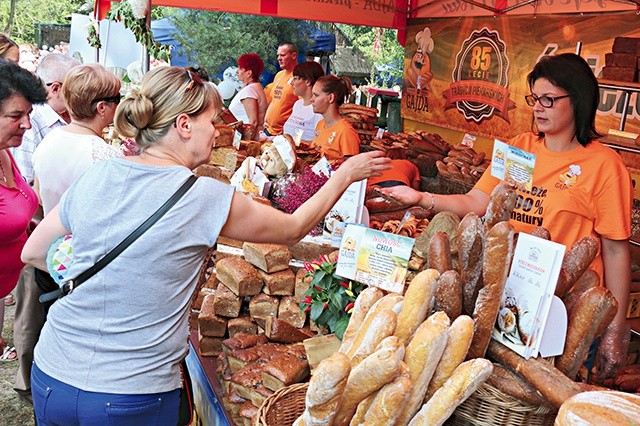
{"x":583,"y":192}
{"x":336,"y":141}
{"x":281,"y":98}
{"x":401,"y":170}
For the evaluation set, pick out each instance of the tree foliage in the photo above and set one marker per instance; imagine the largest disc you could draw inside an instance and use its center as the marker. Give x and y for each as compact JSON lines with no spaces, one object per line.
{"x":28,"y":13}
{"x":216,"y":39}
{"x":388,"y":62}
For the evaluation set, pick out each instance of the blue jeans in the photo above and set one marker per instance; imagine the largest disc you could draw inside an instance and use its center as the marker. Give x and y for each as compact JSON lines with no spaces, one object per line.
{"x":56,"y":403}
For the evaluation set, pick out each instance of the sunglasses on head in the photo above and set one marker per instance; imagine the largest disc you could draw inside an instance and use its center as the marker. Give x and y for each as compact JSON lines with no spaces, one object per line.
{"x":113,"y":99}
{"x":193,"y":79}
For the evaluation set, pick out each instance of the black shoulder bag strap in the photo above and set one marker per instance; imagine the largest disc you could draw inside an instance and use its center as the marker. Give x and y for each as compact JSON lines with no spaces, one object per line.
{"x":70,"y":285}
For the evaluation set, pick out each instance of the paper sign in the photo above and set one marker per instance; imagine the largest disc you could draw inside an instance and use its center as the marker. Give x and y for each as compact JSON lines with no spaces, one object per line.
{"x":237,"y":136}
{"x":374,"y":257}
{"x":348,"y":208}
{"x":297,"y":137}
{"x":468,"y":140}
{"x":322,"y":167}
{"x":379,"y":133}
{"x":513,"y":165}
{"x":528,"y":294}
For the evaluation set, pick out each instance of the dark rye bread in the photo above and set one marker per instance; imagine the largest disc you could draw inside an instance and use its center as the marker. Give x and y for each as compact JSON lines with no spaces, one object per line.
{"x":619,"y":73}
{"x":625,"y":44}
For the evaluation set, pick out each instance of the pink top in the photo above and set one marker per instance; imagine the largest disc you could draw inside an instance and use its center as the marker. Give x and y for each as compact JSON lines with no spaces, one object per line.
{"x":17,"y":207}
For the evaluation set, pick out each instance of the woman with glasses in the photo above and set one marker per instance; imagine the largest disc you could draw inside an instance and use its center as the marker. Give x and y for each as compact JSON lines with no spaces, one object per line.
{"x":580,"y":187}
{"x":91,"y":94}
{"x":110,"y":351}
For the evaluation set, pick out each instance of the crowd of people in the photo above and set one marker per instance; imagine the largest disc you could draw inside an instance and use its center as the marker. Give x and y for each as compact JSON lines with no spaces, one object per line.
{"x":53,"y":158}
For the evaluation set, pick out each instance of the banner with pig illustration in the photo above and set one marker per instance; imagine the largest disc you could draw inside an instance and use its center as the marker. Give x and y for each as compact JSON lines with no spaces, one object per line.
{"x":470,"y":74}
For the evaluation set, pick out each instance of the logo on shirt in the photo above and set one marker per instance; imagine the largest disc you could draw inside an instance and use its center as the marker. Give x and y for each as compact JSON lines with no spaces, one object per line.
{"x":331,"y":138}
{"x":569,"y":178}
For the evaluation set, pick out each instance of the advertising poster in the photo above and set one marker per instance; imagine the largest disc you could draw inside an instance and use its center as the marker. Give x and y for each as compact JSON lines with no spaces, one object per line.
{"x":469,"y":74}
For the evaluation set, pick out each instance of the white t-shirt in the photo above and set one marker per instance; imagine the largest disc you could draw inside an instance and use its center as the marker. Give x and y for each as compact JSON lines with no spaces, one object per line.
{"x":302,"y":118}
{"x":253,"y":91}
{"x":61,"y":158}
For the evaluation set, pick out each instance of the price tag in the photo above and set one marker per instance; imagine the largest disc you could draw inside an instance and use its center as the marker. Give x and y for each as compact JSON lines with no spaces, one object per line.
{"x":297,"y":137}
{"x":236,"y":139}
{"x":468,"y":140}
{"x":379,"y":133}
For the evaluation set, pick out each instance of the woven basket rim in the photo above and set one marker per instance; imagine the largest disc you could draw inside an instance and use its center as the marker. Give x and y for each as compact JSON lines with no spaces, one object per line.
{"x":269,"y":402}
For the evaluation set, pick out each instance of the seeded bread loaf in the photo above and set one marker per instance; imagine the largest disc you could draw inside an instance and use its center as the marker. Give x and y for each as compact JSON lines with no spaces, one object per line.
{"x":267,"y":257}
{"x":239,"y":276}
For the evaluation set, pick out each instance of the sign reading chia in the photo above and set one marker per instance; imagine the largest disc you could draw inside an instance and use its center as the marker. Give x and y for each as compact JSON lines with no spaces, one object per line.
{"x":480,"y":85}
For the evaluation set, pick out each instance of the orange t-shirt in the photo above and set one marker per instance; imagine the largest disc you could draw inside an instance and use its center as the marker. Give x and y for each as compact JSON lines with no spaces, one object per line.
{"x":402,"y":170}
{"x":336,"y":141}
{"x":583,"y":192}
{"x":281,"y":98}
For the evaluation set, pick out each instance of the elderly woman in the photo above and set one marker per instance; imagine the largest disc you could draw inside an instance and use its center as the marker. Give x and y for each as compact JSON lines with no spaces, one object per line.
{"x":91,"y":94}
{"x":302,"y":122}
{"x":250,"y":103}
{"x":19,"y":89}
{"x":136,"y":308}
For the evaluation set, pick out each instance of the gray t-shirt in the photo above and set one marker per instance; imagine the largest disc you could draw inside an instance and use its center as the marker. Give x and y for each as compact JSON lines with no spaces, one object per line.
{"x":124,"y":330}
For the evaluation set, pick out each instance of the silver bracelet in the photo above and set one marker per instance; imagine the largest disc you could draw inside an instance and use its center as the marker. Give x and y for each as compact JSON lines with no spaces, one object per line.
{"x":433,"y":201}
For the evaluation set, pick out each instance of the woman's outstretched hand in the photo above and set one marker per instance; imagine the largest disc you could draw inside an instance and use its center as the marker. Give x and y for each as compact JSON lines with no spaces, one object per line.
{"x":403,"y":194}
{"x":364,"y":165}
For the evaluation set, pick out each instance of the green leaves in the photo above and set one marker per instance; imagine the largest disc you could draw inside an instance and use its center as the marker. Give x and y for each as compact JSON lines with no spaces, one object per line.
{"x":330,"y":297}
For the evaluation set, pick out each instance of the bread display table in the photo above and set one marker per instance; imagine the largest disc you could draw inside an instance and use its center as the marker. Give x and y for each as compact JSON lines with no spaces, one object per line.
{"x":207,"y":392}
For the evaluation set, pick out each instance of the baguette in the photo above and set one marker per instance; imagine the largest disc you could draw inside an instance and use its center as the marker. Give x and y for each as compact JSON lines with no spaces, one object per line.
{"x":501,"y":203}
{"x":419,"y":300}
{"x":364,"y":302}
{"x":464,"y":381}
{"x":439,"y":252}
{"x":470,"y":241}
{"x":422,"y":356}
{"x":387,"y":302}
{"x":449,"y":294}
{"x":382,"y":325}
{"x":589,"y":279}
{"x":545,"y":378}
{"x":575,"y":262}
{"x":384,"y":409}
{"x":514,"y":385}
{"x":459,"y":338}
{"x":325,"y":390}
{"x":590,"y":316}
{"x":495,"y":269}
{"x":373,"y":373}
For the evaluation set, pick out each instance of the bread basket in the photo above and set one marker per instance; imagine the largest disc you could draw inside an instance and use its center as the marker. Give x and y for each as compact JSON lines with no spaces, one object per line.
{"x":490,"y":406}
{"x":283,"y":407}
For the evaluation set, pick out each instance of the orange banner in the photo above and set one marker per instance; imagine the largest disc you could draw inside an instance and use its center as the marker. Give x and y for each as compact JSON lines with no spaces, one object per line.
{"x":470,"y":74}
{"x":251,"y":7}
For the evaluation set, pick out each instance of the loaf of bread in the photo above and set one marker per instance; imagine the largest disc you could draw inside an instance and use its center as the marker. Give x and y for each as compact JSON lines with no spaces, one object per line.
{"x":619,"y":73}
{"x":242,"y":324}
{"x":625,"y":45}
{"x":498,"y":252}
{"x":514,"y":385}
{"x":385,"y":407}
{"x":325,"y":390}
{"x":226,"y":303}
{"x":439,"y":254}
{"x":464,"y":381}
{"x":364,"y":302}
{"x":209,"y":346}
{"x":289,"y":311}
{"x":387,"y":302}
{"x":422,"y":356}
{"x":470,"y":241}
{"x":210,"y":324}
{"x":226,"y":136}
{"x":262,"y":306}
{"x":600,"y":408}
{"x":459,"y":338}
{"x":281,"y":283}
{"x":418,"y":302}
{"x":281,"y":331}
{"x":575,"y":262}
{"x":284,"y":370}
{"x":449,"y":294}
{"x":545,"y":378}
{"x":301,"y":284}
{"x":382,"y":325}
{"x":243,"y":341}
{"x":541,"y":232}
{"x":590,"y":316}
{"x":501,"y":203}
{"x":587,"y":280}
{"x":239,"y":276}
{"x":370,"y":375}
{"x":268,"y":257}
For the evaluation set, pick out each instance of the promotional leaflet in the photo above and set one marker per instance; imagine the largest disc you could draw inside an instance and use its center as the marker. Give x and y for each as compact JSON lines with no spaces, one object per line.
{"x":513,"y":165}
{"x":374,"y":257}
{"x":528,"y":296}
{"x":348,"y":209}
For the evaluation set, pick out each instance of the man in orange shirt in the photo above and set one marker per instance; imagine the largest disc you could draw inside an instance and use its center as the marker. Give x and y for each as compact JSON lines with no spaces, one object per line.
{"x":281,"y":95}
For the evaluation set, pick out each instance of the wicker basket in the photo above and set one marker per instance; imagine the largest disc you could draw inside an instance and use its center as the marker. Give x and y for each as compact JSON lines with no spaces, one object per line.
{"x":283,"y":407}
{"x":490,"y":406}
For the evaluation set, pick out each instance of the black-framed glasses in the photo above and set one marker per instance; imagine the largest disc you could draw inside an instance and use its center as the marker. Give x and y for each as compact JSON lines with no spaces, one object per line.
{"x":545,"y":101}
{"x":193,"y":79}
{"x":113,"y":99}
{"x":52,"y":83}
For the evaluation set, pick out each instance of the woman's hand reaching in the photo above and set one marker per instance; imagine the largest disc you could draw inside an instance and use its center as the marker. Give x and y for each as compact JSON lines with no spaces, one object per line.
{"x":403,"y":194}
{"x":364,"y":165}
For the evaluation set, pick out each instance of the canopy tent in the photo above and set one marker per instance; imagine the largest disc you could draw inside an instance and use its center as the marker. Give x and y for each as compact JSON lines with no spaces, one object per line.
{"x":389,"y":13}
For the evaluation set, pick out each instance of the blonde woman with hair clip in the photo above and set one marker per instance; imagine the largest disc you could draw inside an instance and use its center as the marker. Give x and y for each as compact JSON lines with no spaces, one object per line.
{"x":136,"y":308}
{"x":334,"y":136}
